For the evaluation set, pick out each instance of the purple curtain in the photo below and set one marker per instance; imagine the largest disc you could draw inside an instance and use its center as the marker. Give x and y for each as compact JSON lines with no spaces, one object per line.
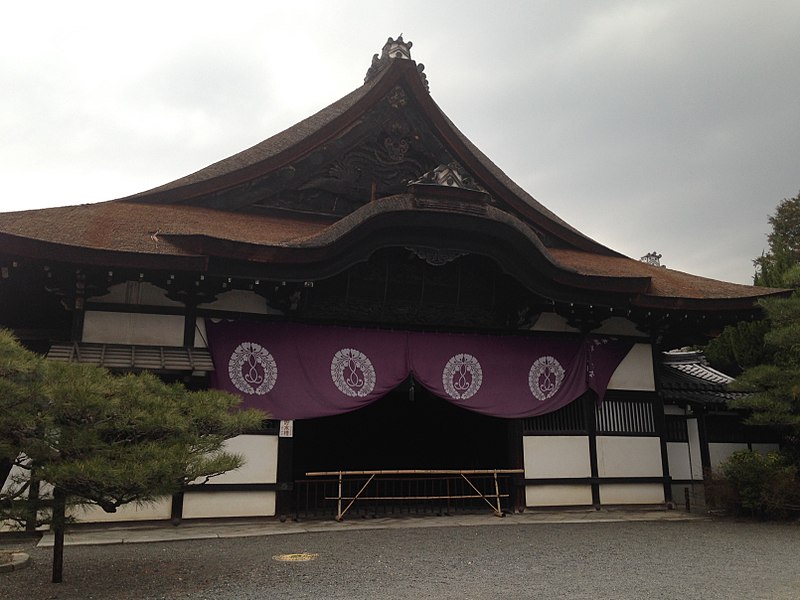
{"x":295,"y":371}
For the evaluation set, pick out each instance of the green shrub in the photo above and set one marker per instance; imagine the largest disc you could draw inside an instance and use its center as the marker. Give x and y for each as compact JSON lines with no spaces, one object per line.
{"x":755,"y":484}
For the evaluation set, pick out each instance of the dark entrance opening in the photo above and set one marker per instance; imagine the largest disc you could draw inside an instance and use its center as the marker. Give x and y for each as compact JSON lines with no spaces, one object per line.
{"x":398,"y":432}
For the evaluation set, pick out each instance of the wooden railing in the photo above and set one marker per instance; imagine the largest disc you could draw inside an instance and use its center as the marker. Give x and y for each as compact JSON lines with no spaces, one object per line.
{"x":345,"y":502}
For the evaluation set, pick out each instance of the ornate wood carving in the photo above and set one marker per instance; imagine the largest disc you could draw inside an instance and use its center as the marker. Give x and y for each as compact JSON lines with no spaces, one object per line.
{"x":396,"y":286}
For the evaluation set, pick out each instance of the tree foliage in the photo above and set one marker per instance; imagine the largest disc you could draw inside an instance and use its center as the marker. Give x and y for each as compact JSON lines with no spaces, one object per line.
{"x":774,"y":385}
{"x":783,"y":256}
{"x":22,"y":400}
{"x":758,"y":485}
{"x":739,"y":347}
{"x":110,"y":440}
{"x":106,"y":440}
{"x":766,"y":355}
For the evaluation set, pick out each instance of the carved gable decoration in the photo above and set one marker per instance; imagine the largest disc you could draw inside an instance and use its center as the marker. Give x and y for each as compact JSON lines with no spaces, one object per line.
{"x":391,"y":147}
{"x":450,"y":187}
{"x":450,"y":175}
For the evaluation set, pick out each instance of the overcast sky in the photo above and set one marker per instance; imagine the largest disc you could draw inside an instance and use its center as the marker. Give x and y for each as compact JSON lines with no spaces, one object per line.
{"x":668,"y":126}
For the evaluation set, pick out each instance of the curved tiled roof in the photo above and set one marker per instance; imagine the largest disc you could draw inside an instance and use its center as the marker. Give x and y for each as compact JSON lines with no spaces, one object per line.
{"x":665,"y":283}
{"x":167,"y":230}
{"x":173,"y":221}
{"x":281,"y":149}
{"x":123,"y":226}
{"x":263,"y":151}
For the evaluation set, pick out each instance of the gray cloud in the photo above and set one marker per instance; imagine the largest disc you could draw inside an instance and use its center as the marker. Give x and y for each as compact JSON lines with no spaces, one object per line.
{"x":664,"y":125}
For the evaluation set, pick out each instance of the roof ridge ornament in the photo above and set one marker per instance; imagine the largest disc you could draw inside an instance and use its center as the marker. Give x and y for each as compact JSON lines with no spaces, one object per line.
{"x":449,"y":175}
{"x":393,"y":49}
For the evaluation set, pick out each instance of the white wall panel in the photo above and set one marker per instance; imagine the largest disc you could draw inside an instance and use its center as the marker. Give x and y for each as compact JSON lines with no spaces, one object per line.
{"x":680,"y":466}
{"x":137,"y":293}
{"x":694,"y":449}
{"x":133,"y":328}
{"x":548,"y":321}
{"x":623,"y":456}
{"x":632,"y":493}
{"x":243,"y":301}
{"x":618,"y":326}
{"x":549,"y":456}
{"x":635,"y":372}
{"x":720,"y":452}
{"x":260,"y":453}
{"x":765,"y":448}
{"x":204,"y":505}
{"x":200,"y":335}
{"x":152,"y":511}
{"x":558,"y":495}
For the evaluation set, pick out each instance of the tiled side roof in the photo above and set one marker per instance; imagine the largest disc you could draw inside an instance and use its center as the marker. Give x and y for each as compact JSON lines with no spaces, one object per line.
{"x":121,"y":226}
{"x":126,"y":357}
{"x":703,"y":373}
{"x":685,"y":377}
{"x":666,"y":283}
{"x":161,"y":230}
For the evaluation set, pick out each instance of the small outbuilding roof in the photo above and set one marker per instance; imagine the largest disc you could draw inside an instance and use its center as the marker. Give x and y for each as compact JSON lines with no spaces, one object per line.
{"x":687,"y":377}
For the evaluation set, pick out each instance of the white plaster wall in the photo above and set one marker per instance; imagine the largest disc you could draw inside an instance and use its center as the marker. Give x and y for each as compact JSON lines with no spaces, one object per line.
{"x":152,"y":511}
{"x":202,"y":505}
{"x":558,"y":495}
{"x":765,"y":448}
{"x":261,"y":460}
{"x":241,"y":301}
{"x":622,"y":456}
{"x":720,"y":452}
{"x":137,"y":292}
{"x":680,"y":466}
{"x":200,"y":335}
{"x":549,"y":456}
{"x":552,"y":322}
{"x":635,"y":372}
{"x":632,"y":493}
{"x":619,"y":326}
{"x":694,"y":449}
{"x":132,"y":328}
{"x":14,"y":479}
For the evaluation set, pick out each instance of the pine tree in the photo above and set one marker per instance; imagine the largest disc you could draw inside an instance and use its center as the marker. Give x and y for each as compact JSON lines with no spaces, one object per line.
{"x":774,"y":379}
{"x":783,"y":255}
{"x":107,"y":440}
{"x":775,"y":385}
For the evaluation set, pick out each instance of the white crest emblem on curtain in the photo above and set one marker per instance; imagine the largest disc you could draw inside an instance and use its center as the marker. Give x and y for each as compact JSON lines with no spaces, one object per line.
{"x":462,"y":376}
{"x":252,"y":369}
{"x":545,"y":377}
{"x":352,"y":373}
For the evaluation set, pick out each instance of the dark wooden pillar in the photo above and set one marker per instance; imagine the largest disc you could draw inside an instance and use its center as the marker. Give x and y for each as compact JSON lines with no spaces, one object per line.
{"x":59,"y":516}
{"x":189,"y":325}
{"x":78,"y":306}
{"x":516,"y":460}
{"x":702,"y":433}
{"x":589,"y":403}
{"x":660,"y":422}
{"x":190,"y":321}
{"x":284,"y":496}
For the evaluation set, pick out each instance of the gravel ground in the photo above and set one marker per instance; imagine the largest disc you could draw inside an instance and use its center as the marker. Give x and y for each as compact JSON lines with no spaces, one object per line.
{"x":670,"y":560}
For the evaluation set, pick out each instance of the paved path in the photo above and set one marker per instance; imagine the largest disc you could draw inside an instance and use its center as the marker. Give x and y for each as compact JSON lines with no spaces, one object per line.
{"x":574,"y":556}
{"x":105,"y":534}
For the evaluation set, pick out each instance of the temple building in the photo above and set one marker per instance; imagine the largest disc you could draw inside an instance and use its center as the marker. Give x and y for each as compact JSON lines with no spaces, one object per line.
{"x":394,"y":302}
